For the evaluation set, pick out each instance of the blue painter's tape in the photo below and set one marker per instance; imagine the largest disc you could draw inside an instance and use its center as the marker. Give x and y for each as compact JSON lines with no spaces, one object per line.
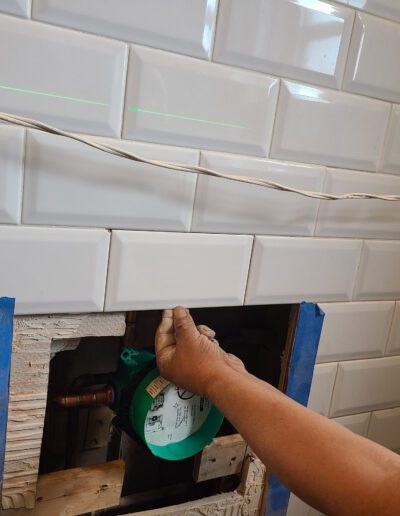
{"x":301,"y":369}
{"x":6,"y":333}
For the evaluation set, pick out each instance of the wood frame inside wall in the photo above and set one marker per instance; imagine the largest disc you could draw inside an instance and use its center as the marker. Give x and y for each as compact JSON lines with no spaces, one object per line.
{"x":32,"y":348}
{"x":31,"y":352}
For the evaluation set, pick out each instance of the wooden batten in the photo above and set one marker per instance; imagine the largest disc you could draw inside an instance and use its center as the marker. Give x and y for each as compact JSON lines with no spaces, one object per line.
{"x":223,"y":457}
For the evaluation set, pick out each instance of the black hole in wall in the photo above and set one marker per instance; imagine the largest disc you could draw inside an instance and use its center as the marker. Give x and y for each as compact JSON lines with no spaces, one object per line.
{"x":257,"y":334}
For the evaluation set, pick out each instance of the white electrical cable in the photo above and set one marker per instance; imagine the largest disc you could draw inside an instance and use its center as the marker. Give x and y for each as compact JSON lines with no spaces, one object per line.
{"x":111,"y":149}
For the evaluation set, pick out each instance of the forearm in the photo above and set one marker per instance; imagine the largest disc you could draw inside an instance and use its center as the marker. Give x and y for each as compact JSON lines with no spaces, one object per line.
{"x":326,"y":465}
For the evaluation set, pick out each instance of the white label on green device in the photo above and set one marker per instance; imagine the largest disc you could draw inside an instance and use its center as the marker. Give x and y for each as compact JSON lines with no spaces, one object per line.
{"x":174,"y":415}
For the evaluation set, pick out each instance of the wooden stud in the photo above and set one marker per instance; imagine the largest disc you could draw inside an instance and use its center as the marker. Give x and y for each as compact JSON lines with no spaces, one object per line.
{"x":223,"y":457}
{"x":30,"y":361}
{"x":79,"y":490}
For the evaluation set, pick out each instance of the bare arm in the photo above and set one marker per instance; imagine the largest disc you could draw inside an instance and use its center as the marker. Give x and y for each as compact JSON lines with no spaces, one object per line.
{"x":326,"y":465}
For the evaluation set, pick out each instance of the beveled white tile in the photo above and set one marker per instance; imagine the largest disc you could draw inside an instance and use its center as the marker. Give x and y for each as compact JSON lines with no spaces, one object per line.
{"x":365,"y":385}
{"x":67,"y":183}
{"x":11,"y":171}
{"x":354,"y":330}
{"x":357,"y":423}
{"x":385,"y":428}
{"x":393,"y":347}
{"x":359,"y":218}
{"x":280,"y":37}
{"x":391,"y":151}
{"x":150,"y":270}
{"x":17,"y":7}
{"x":297,"y":507}
{"x":379,"y":272}
{"x":322,"y":388}
{"x":291,"y":270}
{"x":328,"y":127}
{"x":372,"y":65}
{"x":51,"y":270}
{"x":71,"y":80}
{"x":183,"y":27}
{"x":233,"y":207}
{"x":183,"y":101}
{"x":386,"y":8}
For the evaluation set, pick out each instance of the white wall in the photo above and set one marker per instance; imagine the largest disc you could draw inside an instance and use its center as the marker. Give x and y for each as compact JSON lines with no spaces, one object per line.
{"x":306,"y":93}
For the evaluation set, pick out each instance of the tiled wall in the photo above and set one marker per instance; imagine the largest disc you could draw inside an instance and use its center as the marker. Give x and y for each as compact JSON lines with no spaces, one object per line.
{"x":303,"y":92}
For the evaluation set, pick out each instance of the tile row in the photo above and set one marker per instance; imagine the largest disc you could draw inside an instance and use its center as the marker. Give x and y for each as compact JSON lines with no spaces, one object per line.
{"x":67,"y":183}
{"x":179,"y":100}
{"x":355,"y":386}
{"x":252,"y":36}
{"x":65,"y":269}
{"x":359,"y":330}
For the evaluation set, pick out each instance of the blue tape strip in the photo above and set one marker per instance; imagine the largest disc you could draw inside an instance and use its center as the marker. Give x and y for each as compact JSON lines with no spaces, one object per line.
{"x":6,"y":333}
{"x":301,"y":369}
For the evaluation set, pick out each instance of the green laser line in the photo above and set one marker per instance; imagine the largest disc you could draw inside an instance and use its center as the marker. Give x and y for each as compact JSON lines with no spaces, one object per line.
{"x":182,"y":117}
{"x":54,"y":96}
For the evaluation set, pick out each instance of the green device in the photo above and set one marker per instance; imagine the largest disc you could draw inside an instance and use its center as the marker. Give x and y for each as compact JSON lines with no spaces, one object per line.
{"x":173,"y":423}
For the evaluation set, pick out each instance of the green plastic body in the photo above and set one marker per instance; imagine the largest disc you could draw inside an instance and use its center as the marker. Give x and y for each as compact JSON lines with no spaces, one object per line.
{"x":133,"y":362}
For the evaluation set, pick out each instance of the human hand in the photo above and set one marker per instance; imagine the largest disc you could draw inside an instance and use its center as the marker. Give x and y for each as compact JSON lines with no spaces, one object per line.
{"x":189,"y":356}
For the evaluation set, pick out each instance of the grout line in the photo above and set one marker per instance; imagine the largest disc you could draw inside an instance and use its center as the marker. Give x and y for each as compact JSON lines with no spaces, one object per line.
{"x":23,"y":178}
{"x":369,"y":424}
{"x":323,"y":186}
{"x":124,"y":89}
{"x":212,"y":43}
{"x":268,"y":153}
{"x":249,"y":269}
{"x":108,"y":269}
{"x":346,"y":57}
{"x":384,"y":141}
{"x":333,"y":390}
{"x":391,"y":325}
{"x":194,"y":196}
{"x":357,"y":271}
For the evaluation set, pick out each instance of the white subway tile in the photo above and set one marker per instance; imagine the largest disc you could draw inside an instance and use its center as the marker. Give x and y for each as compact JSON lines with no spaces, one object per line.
{"x":176,"y":25}
{"x":386,"y":8}
{"x":67,"y":183}
{"x":11,"y":171}
{"x":183,"y":101}
{"x":233,"y":207}
{"x":17,"y":7}
{"x":297,"y":507}
{"x":391,"y":152}
{"x":68,"y":79}
{"x":322,"y":388}
{"x":328,"y":127}
{"x":393,"y":347}
{"x":385,"y":428}
{"x":279,"y":37}
{"x":379,"y":272}
{"x":160,"y":270}
{"x":290,"y":270}
{"x":354,"y":330}
{"x":51,"y":270}
{"x":357,"y":423}
{"x":372,"y":65}
{"x":365,"y":385}
{"x":359,"y":218}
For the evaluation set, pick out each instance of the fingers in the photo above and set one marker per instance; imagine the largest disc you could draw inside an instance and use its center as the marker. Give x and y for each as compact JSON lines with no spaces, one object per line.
{"x":205,"y":330}
{"x":165,"y":335}
{"x":185,"y":329}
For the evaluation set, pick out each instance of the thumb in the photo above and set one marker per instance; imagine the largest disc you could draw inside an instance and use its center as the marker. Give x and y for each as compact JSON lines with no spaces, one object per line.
{"x":184,"y":325}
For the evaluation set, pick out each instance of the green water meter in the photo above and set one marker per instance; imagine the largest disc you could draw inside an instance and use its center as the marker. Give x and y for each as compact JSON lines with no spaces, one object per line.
{"x":173,"y":423}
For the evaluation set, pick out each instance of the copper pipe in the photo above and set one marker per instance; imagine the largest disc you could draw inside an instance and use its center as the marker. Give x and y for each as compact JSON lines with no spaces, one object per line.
{"x":103,"y":396}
